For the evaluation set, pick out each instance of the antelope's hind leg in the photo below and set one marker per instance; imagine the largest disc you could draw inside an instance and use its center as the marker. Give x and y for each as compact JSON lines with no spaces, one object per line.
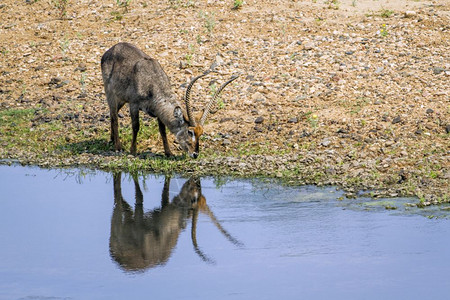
{"x":114,"y":108}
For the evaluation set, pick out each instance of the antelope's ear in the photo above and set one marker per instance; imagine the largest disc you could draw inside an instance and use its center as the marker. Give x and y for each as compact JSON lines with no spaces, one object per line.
{"x":178,"y":114}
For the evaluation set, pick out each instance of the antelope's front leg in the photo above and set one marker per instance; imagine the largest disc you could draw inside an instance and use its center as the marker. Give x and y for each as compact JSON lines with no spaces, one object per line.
{"x":162,"y":131}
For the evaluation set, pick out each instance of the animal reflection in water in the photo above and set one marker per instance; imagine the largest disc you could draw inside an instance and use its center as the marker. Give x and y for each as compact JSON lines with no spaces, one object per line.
{"x":141,"y":240}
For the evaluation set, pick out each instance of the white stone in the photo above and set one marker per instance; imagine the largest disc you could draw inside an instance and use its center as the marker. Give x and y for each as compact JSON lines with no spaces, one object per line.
{"x":410,"y":13}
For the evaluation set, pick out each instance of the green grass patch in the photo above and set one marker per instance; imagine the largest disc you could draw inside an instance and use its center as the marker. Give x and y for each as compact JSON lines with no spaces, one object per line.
{"x":6,"y":115}
{"x":93,"y":146}
{"x":386,"y":13}
{"x":15,"y":128}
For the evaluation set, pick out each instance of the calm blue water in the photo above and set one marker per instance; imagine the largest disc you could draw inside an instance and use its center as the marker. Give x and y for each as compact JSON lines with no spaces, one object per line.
{"x":71,"y":235}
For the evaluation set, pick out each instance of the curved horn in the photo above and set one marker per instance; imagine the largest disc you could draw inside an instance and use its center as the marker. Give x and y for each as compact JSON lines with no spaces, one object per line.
{"x":220,"y":227}
{"x":187,"y":98}
{"x":213,"y":100}
{"x":197,"y":249}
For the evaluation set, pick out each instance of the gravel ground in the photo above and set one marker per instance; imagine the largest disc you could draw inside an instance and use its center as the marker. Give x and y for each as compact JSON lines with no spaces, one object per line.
{"x":352,"y":93}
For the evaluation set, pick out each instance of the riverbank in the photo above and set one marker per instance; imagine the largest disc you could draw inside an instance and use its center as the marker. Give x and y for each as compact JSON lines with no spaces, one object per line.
{"x":354,"y":94}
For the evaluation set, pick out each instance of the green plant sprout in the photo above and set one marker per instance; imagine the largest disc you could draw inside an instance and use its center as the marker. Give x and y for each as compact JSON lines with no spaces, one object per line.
{"x":210,"y":22}
{"x":83,"y":82}
{"x":386,"y":13}
{"x":238,"y":4}
{"x":383,"y":31}
{"x":61,"y":5}
{"x":64,"y":44}
{"x":190,"y":55}
{"x":124,"y":4}
{"x":333,"y":4}
{"x":178,"y":3}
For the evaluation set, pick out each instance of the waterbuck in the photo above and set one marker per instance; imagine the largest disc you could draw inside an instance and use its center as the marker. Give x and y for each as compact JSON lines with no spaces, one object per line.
{"x":130,"y":76}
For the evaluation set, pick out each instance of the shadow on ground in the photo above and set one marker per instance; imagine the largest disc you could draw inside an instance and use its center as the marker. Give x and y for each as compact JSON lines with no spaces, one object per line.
{"x":104,"y":147}
{"x":95,"y":146}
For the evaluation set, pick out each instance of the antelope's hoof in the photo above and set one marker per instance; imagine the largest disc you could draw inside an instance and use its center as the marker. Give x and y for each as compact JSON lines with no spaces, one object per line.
{"x":169,"y":154}
{"x":117,"y":147}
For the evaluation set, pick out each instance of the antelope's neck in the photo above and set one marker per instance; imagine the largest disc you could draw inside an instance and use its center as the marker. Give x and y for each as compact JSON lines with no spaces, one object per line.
{"x":164,"y":110}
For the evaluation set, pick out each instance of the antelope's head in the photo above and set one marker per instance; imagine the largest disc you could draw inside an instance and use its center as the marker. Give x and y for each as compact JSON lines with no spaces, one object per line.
{"x":189,"y":137}
{"x":191,"y":196}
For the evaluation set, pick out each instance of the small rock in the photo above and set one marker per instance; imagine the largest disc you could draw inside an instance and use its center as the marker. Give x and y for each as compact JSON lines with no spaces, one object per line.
{"x":429,"y":126}
{"x":325,"y":142}
{"x":81,"y":67}
{"x":258,"y":97}
{"x":438,"y":70}
{"x":447,"y":128}
{"x":226,"y":142}
{"x":308,"y":46}
{"x":259,"y":120}
{"x":183,"y":65}
{"x":55,"y":80}
{"x":350,"y":195}
{"x":379,"y":70}
{"x":410,"y":13}
{"x":218,"y":62}
{"x":226,"y":119}
{"x":300,"y":98}
{"x":57,"y":97}
{"x":396,"y":120}
{"x":430,"y":111}
{"x":63,"y":83}
{"x":330,"y":170}
{"x":293,"y":120}
{"x":349,"y":52}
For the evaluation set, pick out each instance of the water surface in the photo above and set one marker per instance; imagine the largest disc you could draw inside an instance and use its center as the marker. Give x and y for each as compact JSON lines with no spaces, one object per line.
{"x":72,"y":234}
